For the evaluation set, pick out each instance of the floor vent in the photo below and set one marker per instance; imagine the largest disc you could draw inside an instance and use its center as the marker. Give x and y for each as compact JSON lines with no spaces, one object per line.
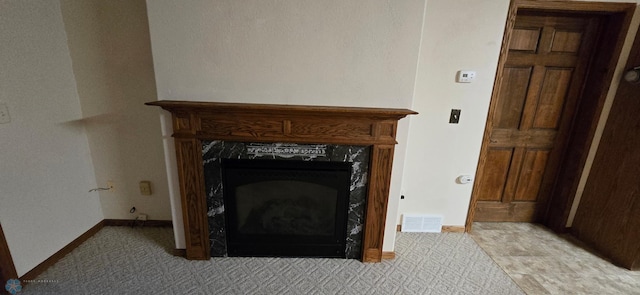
{"x":421,"y":223}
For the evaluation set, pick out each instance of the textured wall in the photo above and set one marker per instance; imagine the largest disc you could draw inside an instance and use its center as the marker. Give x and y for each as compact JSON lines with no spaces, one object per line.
{"x":341,"y":53}
{"x":110,"y":48}
{"x":360,"y":53}
{"x":46,"y":166}
{"x":457,"y":35}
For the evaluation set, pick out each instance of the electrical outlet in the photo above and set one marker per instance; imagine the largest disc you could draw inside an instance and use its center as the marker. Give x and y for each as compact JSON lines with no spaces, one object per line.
{"x":145,"y":188}
{"x":4,"y":114}
{"x":111,"y":185}
{"x":464,"y":179}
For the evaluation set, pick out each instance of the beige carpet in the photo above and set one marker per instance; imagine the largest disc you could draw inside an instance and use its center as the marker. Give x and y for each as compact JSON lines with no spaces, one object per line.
{"x":122,"y":260}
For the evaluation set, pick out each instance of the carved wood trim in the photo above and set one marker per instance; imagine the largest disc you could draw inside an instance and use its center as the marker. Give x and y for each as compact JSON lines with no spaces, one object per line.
{"x":377,"y":200}
{"x":194,"y":206}
{"x":194,"y":122}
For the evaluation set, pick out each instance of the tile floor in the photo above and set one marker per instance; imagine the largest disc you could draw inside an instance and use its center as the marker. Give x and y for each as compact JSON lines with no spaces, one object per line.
{"x":541,"y":262}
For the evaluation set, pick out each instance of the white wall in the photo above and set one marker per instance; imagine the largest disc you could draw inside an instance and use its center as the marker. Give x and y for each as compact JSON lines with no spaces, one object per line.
{"x":46,"y":166}
{"x":341,"y":53}
{"x":457,"y":35}
{"x":111,"y":53}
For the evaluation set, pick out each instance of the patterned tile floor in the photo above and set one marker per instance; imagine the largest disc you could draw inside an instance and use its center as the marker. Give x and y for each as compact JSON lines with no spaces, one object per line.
{"x":541,"y":262}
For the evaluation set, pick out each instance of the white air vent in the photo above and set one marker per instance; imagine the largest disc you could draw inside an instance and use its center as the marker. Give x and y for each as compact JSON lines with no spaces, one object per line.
{"x":421,"y":223}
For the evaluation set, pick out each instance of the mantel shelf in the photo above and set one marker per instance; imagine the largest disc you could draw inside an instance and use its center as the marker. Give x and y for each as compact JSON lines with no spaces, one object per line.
{"x":221,"y":107}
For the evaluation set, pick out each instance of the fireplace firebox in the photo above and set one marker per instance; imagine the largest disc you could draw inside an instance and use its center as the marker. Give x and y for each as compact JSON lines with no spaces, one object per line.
{"x":286,"y":208}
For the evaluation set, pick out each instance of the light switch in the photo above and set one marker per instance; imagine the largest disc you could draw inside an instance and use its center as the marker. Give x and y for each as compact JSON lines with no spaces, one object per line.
{"x":454,"y":118}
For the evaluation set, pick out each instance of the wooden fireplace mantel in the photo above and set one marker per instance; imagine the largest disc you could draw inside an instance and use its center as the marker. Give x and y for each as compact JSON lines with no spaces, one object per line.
{"x":194,"y":122}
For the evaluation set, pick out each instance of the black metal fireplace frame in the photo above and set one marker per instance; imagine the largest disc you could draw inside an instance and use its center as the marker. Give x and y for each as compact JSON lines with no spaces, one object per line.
{"x":336,"y":175}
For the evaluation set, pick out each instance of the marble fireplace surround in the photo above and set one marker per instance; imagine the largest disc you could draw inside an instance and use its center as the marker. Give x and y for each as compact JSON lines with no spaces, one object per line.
{"x":198,"y":122}
{"x":216,"y":150}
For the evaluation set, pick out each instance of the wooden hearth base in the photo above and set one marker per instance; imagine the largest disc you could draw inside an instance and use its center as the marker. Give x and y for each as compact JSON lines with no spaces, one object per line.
{"x":194,"y":122}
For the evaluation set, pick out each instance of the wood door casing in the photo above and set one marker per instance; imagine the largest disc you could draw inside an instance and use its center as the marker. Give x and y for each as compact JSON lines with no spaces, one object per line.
{"x":542,"y":77}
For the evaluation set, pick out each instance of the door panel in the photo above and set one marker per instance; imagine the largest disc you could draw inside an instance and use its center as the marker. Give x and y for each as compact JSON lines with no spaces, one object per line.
{"x":515,"y":88}
{"x":552,"y":98}
{"x":566,"y":41}
{"x":541,"y":82}
{"x":514,"y":174}
{"x":524,"y":39}
{"x":495,"y":176}
{"x":533,"y":166}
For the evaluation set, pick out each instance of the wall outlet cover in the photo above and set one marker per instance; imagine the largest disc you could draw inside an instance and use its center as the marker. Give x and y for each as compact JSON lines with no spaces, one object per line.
{"x":145,"y":188}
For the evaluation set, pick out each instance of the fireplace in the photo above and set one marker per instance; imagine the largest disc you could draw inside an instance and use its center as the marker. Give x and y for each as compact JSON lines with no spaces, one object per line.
{"x":286,"y":208}
{"x":291,"y":157}
{"x":196,"y":123}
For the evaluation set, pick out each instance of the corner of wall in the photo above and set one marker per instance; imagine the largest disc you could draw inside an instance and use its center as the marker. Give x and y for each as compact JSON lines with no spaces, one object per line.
{"x":47,"y":169}
{"x":111,"y":52}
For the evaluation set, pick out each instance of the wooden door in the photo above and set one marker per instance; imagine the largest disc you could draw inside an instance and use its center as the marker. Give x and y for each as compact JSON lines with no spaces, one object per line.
{"x":608,"y":217}
{"x":530,"y":118}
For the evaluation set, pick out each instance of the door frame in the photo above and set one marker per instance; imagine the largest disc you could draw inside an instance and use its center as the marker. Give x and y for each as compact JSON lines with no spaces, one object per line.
{"x":5,"y":259}
{"x":616,"y":19}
